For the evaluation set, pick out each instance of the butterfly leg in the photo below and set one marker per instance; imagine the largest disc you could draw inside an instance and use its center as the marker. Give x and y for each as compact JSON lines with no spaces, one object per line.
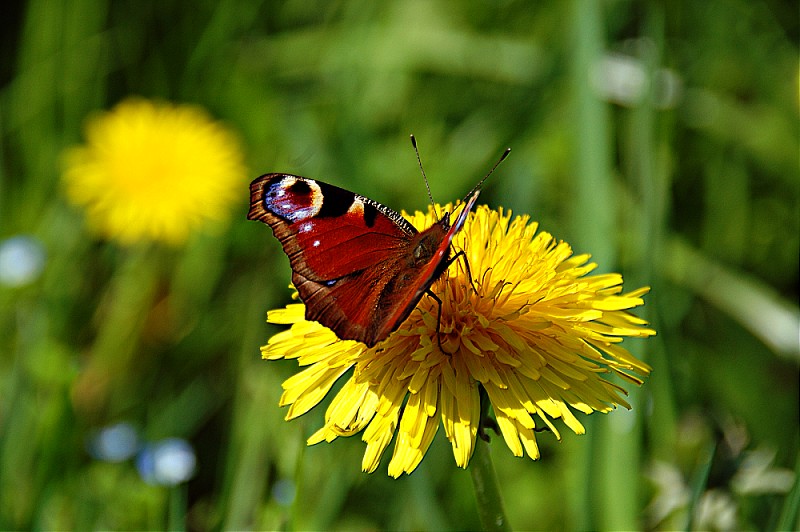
{"x":463,"y":256}
{"x":438,"y":319}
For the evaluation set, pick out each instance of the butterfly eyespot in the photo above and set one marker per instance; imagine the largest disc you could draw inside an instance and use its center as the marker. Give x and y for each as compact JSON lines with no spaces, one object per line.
{"x":293,"y":198}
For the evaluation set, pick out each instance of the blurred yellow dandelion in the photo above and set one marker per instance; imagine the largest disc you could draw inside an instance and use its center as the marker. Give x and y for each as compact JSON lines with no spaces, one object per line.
{"x":153,"y":171}
{"x":539,"y":336}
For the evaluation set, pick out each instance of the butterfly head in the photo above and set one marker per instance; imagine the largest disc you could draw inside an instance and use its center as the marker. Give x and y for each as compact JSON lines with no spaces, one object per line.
{"x":467,"y":205}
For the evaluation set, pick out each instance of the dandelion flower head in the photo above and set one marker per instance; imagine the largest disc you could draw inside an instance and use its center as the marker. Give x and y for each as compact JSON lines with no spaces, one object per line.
{"x":153,"y":171}
{"x":538,"y":333}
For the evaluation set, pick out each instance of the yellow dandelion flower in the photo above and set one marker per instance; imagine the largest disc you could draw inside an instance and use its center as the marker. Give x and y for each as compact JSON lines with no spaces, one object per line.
{"x":537,"y":333}
{"x":153,"y":171}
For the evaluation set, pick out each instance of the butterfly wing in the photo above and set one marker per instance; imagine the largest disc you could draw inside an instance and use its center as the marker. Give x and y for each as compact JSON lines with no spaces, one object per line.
{"x":343,"y":248}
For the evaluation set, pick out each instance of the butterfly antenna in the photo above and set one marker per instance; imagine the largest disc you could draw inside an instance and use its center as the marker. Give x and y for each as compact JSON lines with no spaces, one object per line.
{"x":421,"y":169}
{"x":478,"y":186}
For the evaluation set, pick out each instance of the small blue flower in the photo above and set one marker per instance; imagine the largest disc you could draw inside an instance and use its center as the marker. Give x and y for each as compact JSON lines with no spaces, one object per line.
{"x":115,"y":443}
{"x":166,"y":462}
{"x":283,"y":491}
{"x":21,"y":260}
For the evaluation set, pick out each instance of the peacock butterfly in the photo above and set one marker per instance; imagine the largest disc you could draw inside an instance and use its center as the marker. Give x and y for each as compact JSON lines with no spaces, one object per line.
{"x":359,"y":267}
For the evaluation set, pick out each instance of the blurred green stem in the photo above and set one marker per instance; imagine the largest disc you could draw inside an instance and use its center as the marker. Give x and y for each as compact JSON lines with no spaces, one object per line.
{"x":789,"y":518}
{"x":593,"y":219}
{"x":177,"y":508}
{"x":487,"y":492}
{"x":125,"y":308}
{"x":700,"y":483}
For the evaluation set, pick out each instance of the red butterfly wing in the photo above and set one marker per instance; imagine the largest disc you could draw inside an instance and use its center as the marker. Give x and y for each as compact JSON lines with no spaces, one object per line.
{"x":359,"y":267}
{"x":342,"y":248}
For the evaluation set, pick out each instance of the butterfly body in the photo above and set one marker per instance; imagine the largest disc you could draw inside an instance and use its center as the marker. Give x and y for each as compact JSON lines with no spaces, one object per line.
{"x":359,"y":267}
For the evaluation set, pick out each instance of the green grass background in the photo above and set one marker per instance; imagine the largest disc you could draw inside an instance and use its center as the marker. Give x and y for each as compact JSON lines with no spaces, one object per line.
{"x":692,"y":188}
